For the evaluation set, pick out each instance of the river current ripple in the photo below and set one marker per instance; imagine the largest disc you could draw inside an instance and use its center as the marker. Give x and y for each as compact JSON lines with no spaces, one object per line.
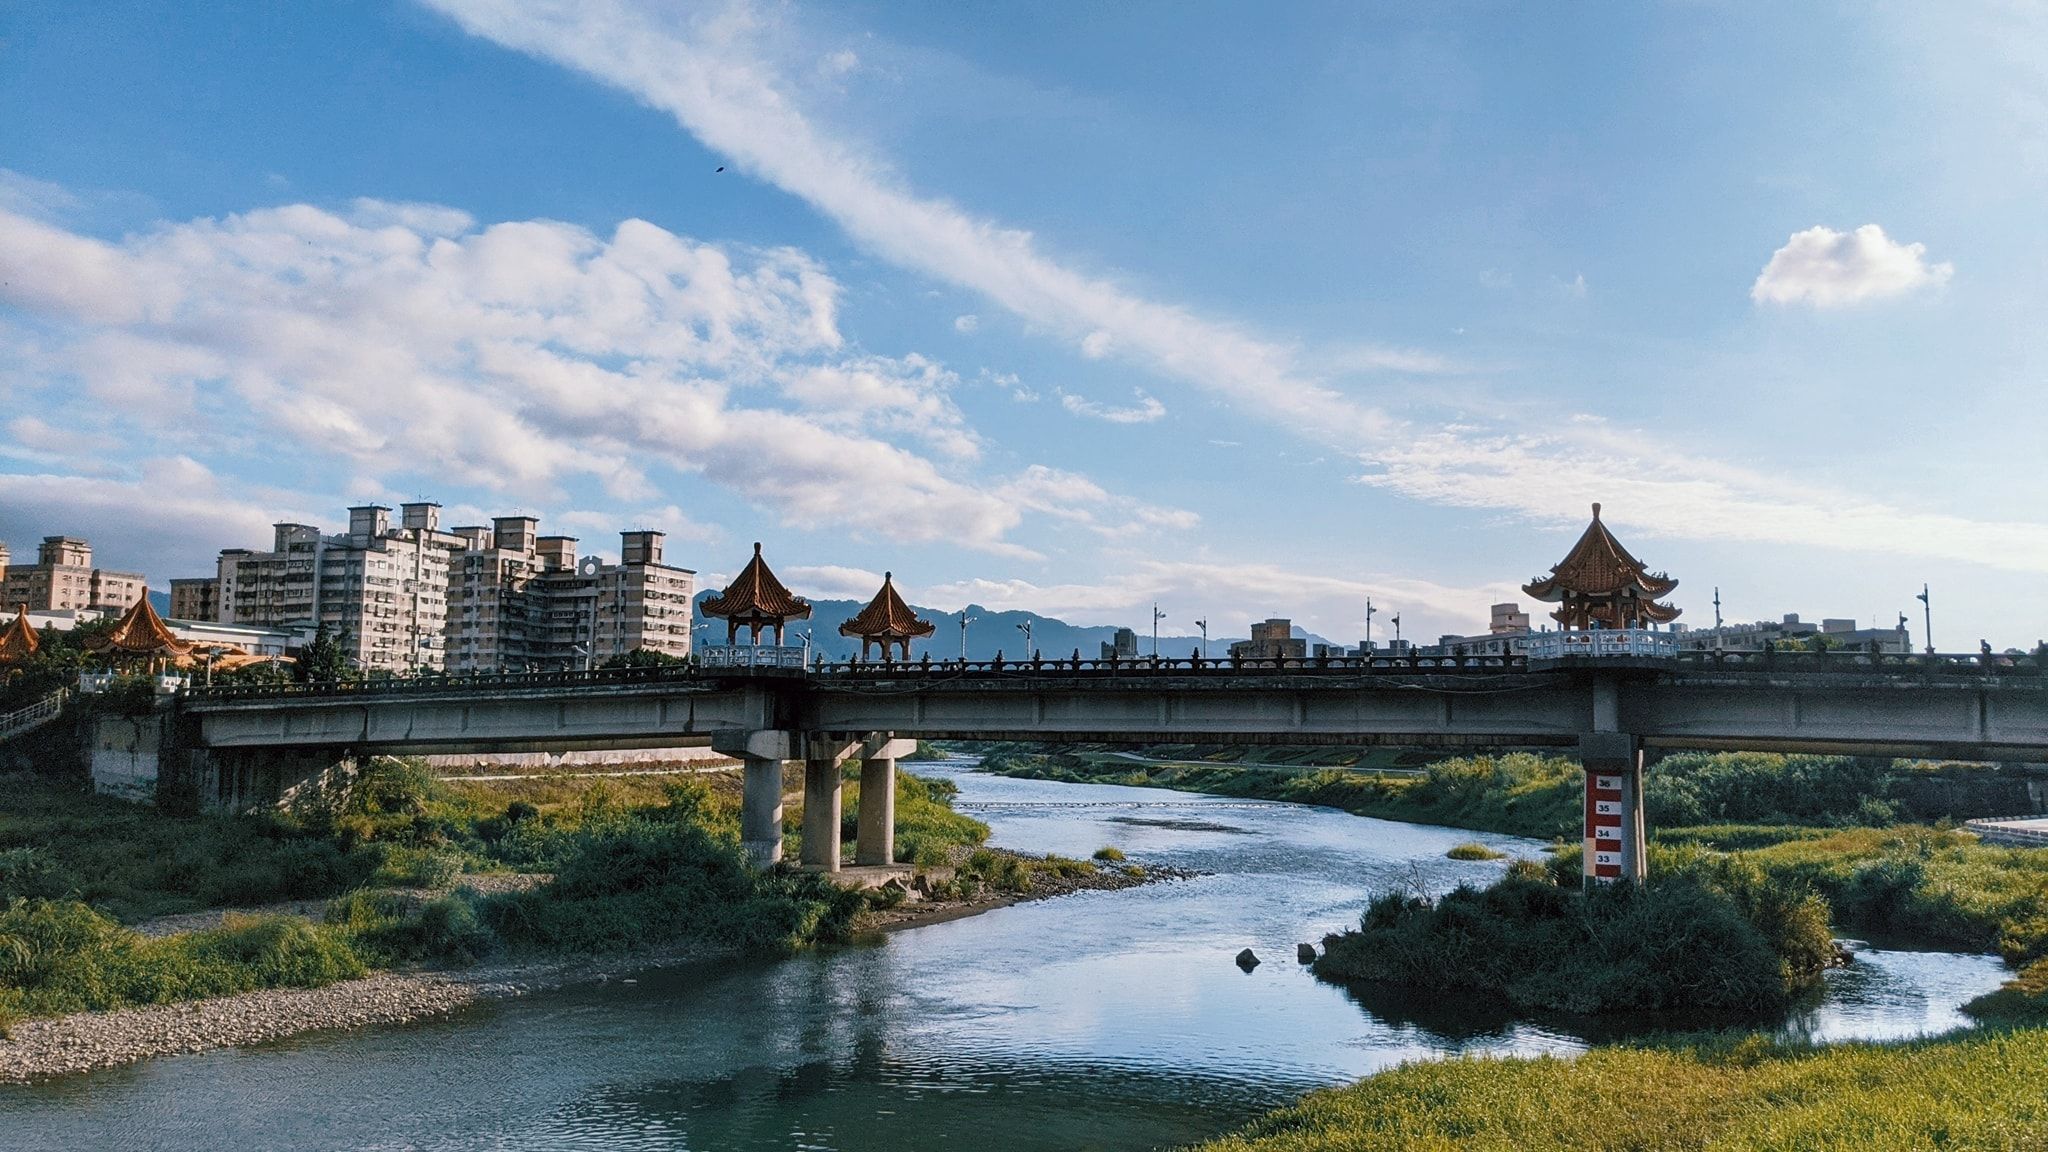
{"x":1101,"y":1020}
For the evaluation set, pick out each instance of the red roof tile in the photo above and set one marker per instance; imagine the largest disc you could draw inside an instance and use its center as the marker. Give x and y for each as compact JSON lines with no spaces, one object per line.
{"x":755,"y":594}
{"x":887,"y":617}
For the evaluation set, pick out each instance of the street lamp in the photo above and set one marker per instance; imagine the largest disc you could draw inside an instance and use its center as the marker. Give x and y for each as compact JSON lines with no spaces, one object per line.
{"x":1203,"y":624}
{"x":1157,"y":616}
{"x":1025,"y":628}
{"x":965,"y":620}
{"x":1397,"y":633}
{"x":1927,"y":606}
{"x":1369,"y":610}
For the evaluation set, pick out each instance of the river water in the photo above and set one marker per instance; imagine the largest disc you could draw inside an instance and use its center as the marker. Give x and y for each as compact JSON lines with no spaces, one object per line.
{"x":1101,"y":1020}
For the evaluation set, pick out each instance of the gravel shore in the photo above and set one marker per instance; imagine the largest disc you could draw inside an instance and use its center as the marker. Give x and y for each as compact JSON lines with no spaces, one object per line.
{"x":84,"y":1041}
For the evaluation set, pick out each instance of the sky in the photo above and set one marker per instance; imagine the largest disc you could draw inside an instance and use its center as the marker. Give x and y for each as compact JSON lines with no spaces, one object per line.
{"x":1246,"y":310}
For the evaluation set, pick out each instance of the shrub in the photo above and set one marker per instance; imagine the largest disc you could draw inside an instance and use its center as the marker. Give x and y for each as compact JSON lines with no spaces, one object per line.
{"x":1690,"y":941}
{"x":1109,"y":854}
{"x":1473,"y":851}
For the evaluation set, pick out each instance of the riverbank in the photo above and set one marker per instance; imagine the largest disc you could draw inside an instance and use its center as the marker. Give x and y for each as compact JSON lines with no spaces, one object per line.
{"x":1976,"y":1091}
{"x":46,"y":1048}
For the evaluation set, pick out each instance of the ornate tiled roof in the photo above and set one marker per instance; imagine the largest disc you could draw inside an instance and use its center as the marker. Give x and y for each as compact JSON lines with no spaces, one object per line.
{"x":755,"y":594}
{"x":887,"y":617}
{"x":18,"y":641}
{"x":141,"y":632}
{"x":1599,"y":566}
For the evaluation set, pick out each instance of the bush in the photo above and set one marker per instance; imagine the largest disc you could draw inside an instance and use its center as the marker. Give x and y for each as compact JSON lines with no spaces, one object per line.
{"x":61,"y":956}
{"x":1109,"y":854}
{"x":1473,"y":851}
{"x":1691,"y":941}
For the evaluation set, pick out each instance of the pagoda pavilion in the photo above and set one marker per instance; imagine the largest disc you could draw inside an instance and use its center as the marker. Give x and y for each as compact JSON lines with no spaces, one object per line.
{"x":141,"y":636}
{"x":887,"y":621}
{"x":1600,"y":585}
{"x":18,"y":641}
{"x":756,"y":600}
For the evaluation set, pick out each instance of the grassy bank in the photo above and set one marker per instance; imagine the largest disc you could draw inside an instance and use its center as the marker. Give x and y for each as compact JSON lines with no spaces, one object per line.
{"x":630,"y":863}
{"x":1973,"y":1092}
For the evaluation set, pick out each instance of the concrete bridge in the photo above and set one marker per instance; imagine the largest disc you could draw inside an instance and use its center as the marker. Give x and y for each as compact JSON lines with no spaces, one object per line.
{"x":246,"y":744}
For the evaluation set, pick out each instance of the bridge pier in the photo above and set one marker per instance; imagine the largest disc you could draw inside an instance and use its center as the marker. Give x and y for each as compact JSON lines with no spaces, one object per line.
{"x":877,"y":804}
{"x":822,"y":805}
{"x":761,"y":755}
{"x":1614,"y":833}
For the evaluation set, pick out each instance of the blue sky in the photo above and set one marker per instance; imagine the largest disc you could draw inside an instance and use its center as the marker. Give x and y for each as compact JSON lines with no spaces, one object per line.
{"x":1067,"y":308}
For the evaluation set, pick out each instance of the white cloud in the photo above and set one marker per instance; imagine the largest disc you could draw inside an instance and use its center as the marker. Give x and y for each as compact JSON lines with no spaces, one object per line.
{"x":1078,"y":500}
{"x":408,"y":340}
{"x":833,"y":581}
{"x":1145,"y":411}
{"x":169,"y":519}
{"x":966,"y":324}
{"x":1830,"y":269}
{"x":708,"y":75}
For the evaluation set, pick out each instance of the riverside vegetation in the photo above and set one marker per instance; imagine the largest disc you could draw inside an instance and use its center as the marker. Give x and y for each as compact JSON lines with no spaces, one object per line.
{"x":1868,"y":837}
{"x":1751,"y":857}
{"x":624,"y":864}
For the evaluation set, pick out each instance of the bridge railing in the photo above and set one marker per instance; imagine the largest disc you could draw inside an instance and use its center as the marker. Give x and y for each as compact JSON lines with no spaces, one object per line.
{"x":1603,"y":642}
{"x":788,"y":662}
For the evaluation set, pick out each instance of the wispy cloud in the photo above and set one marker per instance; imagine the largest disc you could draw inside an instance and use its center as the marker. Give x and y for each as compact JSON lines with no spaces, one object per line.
{"x":1824,"y":268}
{"x":1145,"y":411}
{"x":709,"y":74}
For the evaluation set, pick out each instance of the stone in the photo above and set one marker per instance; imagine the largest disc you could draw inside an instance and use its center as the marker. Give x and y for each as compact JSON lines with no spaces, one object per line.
{"x":1247,"y":960}
{"x":1305,"y":953}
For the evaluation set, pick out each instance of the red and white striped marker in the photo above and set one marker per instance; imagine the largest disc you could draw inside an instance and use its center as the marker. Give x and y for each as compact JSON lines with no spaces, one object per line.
{"x":1604,"y":827}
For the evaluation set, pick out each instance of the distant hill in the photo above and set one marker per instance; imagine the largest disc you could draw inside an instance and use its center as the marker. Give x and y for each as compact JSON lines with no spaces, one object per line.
{"x":988,"y":632}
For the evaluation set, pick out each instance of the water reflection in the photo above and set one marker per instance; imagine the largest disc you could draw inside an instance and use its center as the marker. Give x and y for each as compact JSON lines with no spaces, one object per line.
{"x":1099,"y":1020}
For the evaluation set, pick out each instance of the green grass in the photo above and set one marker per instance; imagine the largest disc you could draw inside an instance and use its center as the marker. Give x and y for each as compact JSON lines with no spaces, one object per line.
{"x":2022,"y":1001}
{"x":1976,"y":1092}
{"x":59,"y":956}
{"x":1474,"y":851}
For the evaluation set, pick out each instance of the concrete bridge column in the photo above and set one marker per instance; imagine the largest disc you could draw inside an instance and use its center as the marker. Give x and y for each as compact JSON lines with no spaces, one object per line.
{"x":761,"y":755}
{"x":1615,"y":847}
{"x":821,"y":806}
{"x":878,"y":799}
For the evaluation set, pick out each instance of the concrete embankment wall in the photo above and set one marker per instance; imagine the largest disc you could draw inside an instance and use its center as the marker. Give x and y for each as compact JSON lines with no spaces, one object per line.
{"x":573,"y":761}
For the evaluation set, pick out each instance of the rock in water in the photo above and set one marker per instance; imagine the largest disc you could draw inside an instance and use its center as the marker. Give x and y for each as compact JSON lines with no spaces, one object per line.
{"x":1305,"y":953}
{"x":1247,"y":960}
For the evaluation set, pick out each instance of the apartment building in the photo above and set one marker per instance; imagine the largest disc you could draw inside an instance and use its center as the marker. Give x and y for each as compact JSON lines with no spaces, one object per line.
{"x":520,"y":600}
{"x":380,"y":590}
{"x":195,"y":598}
{"x":63,"y":579}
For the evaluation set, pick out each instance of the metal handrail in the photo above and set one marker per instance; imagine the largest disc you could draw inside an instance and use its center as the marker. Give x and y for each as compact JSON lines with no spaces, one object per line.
{"x":35,"y":715}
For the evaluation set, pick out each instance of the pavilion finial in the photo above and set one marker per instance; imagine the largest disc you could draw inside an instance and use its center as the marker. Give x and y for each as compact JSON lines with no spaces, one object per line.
{"x":757,"y":543}
{"x":1596,"y":513}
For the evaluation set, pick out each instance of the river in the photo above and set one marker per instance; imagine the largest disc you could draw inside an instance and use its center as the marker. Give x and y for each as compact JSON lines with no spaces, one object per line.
{"x":1101,"y":1020}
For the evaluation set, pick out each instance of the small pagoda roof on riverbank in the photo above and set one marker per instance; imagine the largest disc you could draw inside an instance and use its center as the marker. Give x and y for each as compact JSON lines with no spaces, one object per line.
{"x":1600,"y":584}
{"x":140,"y":632}
{"x":887,"y":620}
{"x":18,"y":641}
{"x":757,"y":600}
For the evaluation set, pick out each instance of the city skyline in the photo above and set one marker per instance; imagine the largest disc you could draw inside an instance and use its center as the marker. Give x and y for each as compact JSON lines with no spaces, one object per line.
{"x":1331,"y":308}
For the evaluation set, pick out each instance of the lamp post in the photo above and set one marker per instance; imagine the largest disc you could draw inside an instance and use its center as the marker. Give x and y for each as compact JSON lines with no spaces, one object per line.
{"x":1927,"y":607}
{"x":1203,"y":624}
{"x":1025,"y":628}
{"x":1397,"y":633}
{"x":1157,"y":616}
{"x":1369,"y":610}
{"x":965,"y":620}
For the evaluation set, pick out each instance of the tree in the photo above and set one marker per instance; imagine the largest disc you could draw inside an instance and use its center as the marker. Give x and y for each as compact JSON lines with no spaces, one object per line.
{"x":323,"y":661}
{"x":642,"y":658}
